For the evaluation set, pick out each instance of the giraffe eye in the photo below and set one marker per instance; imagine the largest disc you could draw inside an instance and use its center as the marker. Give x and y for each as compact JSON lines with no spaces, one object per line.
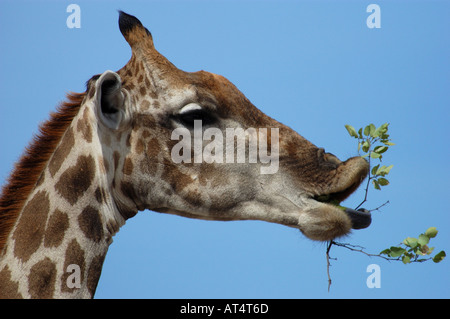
{"x":194,"y":112}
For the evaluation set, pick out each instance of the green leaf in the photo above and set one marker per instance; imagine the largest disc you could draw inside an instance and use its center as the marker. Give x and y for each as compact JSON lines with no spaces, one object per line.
{"x":383,"y":170}
{"x":431,"y":232}
{"x":388,"y":143}
{"x":380,"y":149}
{"x":351,"y":130}
{"x":367,"y":130}
{"x":422,"y":250}
{"x":388,"y":169}
{"x":375,"y":155}
{"x":439,"y":256}
{"x":366,"y":146}
{"x":360,"y":133}
{"x":423,"y":239}
{"x":376,"y":185}
{"x":383,"y":181}
{"x":381,"y":130}
{"x":396,"y":251}
{"x":387,"y":251}
{"x":410,"y":242}
{"x":406,"y":259}
{"x":372,"y":129}
{"x":375,"y":169}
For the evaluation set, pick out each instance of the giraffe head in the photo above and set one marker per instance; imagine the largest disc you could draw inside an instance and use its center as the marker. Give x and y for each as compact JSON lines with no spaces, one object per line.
{"x":192,"y":144}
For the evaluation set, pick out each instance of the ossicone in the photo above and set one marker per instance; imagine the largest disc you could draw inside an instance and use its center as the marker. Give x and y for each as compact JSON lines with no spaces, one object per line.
{"x":133,"y":31}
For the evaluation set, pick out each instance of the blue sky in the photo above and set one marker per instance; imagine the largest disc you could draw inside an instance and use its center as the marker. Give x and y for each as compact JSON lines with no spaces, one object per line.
{"x":313,"y":65}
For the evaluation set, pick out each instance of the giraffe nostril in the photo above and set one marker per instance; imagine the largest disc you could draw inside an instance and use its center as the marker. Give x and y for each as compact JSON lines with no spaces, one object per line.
{"x":328,"y":159}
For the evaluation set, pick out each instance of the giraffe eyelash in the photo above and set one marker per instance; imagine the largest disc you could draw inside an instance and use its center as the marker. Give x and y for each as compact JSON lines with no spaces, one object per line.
{"x":189,"y":107}
{"x":192,"y":112}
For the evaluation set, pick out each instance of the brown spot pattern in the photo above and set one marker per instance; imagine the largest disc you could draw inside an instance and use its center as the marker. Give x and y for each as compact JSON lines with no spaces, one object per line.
{"x":10,"y":289}
{"x":127,"y":189}
{"x":76,"y":179}
{"x":177,"y":180}
{"x":153,"y":148}
{"x":100,"y":195}
{"x":139,"y":146}
{"x":128,"y":166}
{"x":31,"y":226}
{"x":56,"y":228}
{"x":42,"y":279}
{"x":84,"y":127}
{"x":90,"y":223}
{"x":74,"y":255}
{"x":61,"y":153}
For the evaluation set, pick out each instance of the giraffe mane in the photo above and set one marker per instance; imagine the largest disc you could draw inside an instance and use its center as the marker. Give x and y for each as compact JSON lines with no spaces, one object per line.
{"x":28,"y":169}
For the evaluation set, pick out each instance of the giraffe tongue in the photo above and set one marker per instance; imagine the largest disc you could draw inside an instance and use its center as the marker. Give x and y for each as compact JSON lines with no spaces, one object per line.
{"x":361,"y":218}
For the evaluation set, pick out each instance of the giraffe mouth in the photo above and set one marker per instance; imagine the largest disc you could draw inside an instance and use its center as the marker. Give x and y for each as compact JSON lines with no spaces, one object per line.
{"x":361,"y":218}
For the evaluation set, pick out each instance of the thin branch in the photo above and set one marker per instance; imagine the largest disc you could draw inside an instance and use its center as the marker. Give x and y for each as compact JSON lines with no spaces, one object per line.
{"x":379,"y":207}
{"x":330,"y":243}
{"x":360,"y":249}
{"x":367,"y":187}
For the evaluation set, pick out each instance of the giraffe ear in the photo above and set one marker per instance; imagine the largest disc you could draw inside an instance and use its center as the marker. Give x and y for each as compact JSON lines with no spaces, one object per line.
{"x":110,"y":101}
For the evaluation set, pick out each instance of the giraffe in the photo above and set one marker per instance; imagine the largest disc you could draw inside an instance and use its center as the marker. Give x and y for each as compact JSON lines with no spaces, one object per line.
{"x":105,"y":154}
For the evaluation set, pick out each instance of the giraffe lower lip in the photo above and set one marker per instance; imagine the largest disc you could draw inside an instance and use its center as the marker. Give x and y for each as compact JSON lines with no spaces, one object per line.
{"x":361,"y":218}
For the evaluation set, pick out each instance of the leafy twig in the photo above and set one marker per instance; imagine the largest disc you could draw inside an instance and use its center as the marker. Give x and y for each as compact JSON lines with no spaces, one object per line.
{"x":374,"y":142}
{"x":414,"y":249}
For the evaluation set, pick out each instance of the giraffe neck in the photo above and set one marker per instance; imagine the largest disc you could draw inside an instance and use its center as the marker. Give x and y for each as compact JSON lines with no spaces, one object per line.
{"x":62,"y":233}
